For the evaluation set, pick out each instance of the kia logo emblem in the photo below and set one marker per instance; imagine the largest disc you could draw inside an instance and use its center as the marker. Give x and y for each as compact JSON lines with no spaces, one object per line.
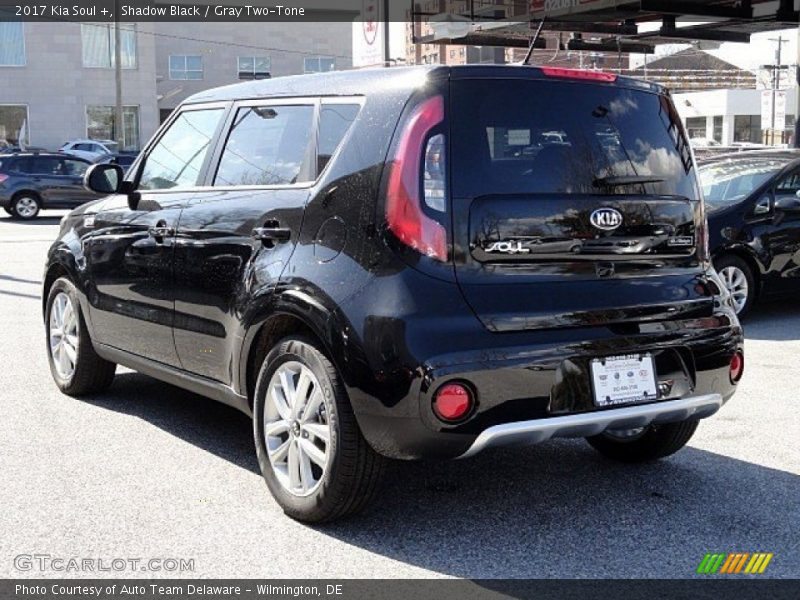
{"x":607,"y":219}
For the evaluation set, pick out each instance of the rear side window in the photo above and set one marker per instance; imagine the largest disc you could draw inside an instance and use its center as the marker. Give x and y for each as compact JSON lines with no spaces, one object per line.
{"x":334,"y":122}
{"x":176,"y":160}
{"x":267,"y":145}
{"x":41,"y":165}
{"x":516,"y":137}
{"x":73,"y":167}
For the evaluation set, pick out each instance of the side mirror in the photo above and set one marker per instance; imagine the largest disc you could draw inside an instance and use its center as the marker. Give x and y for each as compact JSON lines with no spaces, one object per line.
{"x":103,"y":179}
{"x":788,"y":204}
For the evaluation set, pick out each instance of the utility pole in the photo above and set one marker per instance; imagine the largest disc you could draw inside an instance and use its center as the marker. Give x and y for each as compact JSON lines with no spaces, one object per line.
{"x":118,"y":124}
{"x":387,"y":49}
{"x":776,"y":82}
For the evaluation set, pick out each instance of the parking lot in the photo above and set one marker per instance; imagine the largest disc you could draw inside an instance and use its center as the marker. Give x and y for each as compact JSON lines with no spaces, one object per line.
{"x":150,"y":471}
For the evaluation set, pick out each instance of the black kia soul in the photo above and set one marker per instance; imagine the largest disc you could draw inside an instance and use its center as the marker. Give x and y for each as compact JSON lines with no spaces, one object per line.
{"x":406,"y":263}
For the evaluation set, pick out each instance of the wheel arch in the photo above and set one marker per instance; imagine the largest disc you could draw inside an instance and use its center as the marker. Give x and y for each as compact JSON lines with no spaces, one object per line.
{"x":263,"y":336}
{"x":749,"y":258}
{"x":28,"y":192}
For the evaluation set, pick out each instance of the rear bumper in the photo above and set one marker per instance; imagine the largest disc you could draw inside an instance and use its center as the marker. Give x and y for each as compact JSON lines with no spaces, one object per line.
{"x":594,"y":423}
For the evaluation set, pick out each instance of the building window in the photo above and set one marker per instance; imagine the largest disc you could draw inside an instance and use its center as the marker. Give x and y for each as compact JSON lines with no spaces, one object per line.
{"x":12,"y":44}
{"x":13,"y":125}
{"x":100,"y":125}
{"x":98,"y":45}
{"x":747,"y":128}
{"x":254,"y":67}
{"x":718,"y":120}
{"x":696,"y":127}
{"x":319,"y":64}
{"x":185,"y":67}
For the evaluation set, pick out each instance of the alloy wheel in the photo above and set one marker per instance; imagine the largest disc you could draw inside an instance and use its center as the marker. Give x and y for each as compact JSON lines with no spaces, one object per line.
{"x":26,"y":207}
{"x":63,"y":335}
{"x":736,"y":282}
{"x":297,"y":433}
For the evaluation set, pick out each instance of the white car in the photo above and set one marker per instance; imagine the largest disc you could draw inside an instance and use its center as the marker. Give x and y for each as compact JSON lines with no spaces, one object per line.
{"x":89,"y":149}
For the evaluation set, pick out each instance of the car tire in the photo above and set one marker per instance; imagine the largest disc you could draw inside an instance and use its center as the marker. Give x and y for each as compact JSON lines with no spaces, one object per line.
{"x":651,"y":443}
{"x":74,"y":364}
{"x":8,"y":210}
{"x":314,"y":459}
{"x":25,"y":206}
{"x":740,"y":280}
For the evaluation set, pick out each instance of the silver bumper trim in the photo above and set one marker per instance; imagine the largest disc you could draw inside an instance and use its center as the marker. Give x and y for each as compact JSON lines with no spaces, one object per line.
{"x":596,"y":422}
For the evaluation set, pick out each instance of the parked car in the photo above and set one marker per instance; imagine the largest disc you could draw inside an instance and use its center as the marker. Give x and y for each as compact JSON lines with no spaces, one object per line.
{"x":123,"y":159}
{"x":89,"y":149}
{"x":360,"y":262}
{"x":30,"y":182}
{"x":754,"y":222}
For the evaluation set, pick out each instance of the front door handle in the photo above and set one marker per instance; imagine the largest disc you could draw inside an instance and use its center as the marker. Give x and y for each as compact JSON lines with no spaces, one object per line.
{"x":272,"y":234}
{"x":161,"y":231}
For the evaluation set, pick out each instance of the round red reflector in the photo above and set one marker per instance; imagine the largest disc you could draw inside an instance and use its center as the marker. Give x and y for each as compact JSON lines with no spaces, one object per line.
{"x":737,"y":367}
{"x":452,"y":402}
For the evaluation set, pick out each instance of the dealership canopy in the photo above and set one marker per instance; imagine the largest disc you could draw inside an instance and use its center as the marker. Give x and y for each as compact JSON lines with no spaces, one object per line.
{"x":603,"y":25}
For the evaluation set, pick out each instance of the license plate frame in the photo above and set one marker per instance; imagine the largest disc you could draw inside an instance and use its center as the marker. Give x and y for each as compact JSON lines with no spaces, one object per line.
{"x":623,"y":380}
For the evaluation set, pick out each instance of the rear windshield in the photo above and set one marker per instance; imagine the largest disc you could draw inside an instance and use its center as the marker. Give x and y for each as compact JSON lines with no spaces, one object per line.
{"x":516,"y":137}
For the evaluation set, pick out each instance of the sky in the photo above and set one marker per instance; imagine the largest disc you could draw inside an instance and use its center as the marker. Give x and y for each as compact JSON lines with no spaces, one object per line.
{"x":760,"y":51}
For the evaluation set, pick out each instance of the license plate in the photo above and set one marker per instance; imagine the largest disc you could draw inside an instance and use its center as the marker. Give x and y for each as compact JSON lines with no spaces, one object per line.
{"x":623,"y":379}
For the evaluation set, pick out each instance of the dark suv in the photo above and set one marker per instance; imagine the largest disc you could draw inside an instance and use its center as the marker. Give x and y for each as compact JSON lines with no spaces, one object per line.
{"x":30,"y":182}
{"x":406,"y":263}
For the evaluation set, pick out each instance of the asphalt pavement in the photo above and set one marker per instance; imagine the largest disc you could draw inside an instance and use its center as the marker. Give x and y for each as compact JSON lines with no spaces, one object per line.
{"x":147,"y":471}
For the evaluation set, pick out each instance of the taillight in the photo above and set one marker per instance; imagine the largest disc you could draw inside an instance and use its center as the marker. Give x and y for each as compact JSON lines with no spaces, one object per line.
{"x":3,"y":177}
{"x":737,"y":367}
{"x":579,"y":74}
{"x":409,"y":175}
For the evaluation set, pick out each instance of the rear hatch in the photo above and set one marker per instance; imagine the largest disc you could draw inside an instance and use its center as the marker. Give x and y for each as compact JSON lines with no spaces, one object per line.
{"x":575,"y":203}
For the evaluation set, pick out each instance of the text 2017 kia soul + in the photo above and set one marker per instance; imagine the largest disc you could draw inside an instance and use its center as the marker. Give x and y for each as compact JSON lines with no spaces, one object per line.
{"x":406,"y":263}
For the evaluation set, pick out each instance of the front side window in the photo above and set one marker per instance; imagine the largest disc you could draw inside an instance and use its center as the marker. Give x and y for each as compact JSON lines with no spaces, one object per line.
{"x":177,"y":159}
{"x":319,"y":64}
{"x":73,"y":168}
{"x":98,"y":45}
{"x":182,"y":67}
{"x":101,"y":125}
{"x":254,"y":67}
{"x":13,"y":125}
{"x":267,"y":145}
{"x":334,"y":122}
{"x":12,"y":44}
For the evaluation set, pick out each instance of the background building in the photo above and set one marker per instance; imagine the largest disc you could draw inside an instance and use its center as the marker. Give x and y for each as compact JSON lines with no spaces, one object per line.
{"x":58,"y":79}
{"x":58,"y":82}
{"x":193,"y":58}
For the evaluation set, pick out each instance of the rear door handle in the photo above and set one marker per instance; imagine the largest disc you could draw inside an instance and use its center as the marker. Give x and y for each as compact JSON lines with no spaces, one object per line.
{"x":272,"y":234}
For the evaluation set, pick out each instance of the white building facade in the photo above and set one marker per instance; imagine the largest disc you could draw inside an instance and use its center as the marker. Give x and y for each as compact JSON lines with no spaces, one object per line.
{"x":729,"y":116}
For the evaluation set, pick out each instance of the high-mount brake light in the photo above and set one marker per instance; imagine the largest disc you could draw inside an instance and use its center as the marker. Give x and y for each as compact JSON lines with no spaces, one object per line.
{"x":404,"y":213}
{"x":579,"y":74}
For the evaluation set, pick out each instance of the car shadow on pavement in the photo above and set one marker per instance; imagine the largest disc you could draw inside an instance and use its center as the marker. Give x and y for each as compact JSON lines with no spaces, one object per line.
{"x":773,"y":319}
{"x":37,"y":221}
{"x":210,"y":425}
{"x":554,"y":510}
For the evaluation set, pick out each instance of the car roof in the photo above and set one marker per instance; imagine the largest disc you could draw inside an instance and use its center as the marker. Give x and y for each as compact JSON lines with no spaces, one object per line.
{"x":365,"y":81}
